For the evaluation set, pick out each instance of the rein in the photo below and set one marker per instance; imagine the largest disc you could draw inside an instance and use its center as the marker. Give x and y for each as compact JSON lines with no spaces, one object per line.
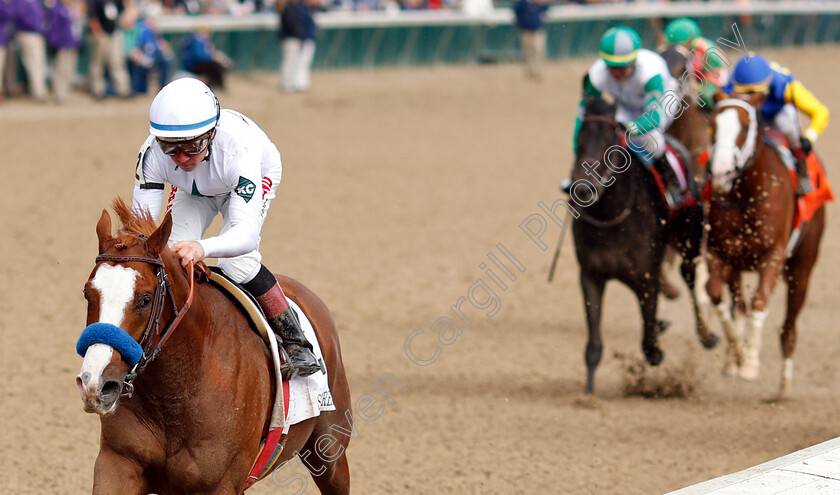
{"x":625,"y":213}
{"x":151,"y":349}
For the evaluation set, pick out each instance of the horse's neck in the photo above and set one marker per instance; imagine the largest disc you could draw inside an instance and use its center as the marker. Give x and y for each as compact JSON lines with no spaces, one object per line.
{"x":178,"y":369}
{"x":756,"y":179}
{"x":621,"y":194}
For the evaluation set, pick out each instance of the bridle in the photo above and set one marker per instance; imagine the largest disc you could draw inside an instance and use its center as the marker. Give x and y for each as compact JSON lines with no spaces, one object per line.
{"x":746,"y":154}
{"x":153,"y":338}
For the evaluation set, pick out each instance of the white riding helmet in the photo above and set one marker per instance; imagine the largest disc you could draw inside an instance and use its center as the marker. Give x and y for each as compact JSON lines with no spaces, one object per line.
{"x":183,"y":109}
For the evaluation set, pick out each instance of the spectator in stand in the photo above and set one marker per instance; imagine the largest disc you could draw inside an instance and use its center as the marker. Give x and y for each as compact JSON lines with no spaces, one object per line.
{"x":529,"y":21}
{"x":5,"y":18}
{"x":200,"y":56}
{"x":297,"y":37}
{"x":30,"y":26}
{"x":146,"y":51}
{"x":65,"y":37}
{"x":107,"y":48}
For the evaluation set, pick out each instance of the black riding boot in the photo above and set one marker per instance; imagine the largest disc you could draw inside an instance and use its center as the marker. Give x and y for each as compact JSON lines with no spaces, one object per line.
{"x":301,"y":355}
{"x":803,"y":182}
{"x":673,"y":191}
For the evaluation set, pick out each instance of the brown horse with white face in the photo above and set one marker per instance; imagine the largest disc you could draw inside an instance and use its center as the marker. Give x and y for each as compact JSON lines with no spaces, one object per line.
{"x":751,"y":219}
{"x":182,"y":384}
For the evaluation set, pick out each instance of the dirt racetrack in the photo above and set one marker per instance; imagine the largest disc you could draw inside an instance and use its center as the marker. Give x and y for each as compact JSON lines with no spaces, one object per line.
{"x":396,"y":186}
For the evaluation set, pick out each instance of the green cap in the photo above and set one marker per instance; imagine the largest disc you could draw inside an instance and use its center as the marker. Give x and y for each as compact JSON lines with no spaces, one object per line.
{"x":619,"y":46}
{"x":681,"y":31}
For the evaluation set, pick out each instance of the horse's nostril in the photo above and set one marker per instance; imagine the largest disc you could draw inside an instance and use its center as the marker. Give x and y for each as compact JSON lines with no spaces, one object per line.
{"x":83,"y":379}
{"x":110,"y":391}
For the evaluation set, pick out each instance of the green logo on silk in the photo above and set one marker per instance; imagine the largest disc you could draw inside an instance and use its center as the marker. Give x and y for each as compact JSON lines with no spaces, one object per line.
{"x":196,"y":192}
{"x":246,"y":189}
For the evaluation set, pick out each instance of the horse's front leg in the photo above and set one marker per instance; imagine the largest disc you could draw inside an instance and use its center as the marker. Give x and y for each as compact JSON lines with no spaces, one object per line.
{"x":115,"y":473}
{"x":688,"y":270}
{"x":593,"y":293}
{"x":647,"y":293}
{"x":718,"y":274}
{"x":758,"y":315}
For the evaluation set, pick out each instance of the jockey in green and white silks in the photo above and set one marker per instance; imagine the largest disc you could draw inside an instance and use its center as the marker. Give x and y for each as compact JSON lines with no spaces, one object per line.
{"x":642,"y":86}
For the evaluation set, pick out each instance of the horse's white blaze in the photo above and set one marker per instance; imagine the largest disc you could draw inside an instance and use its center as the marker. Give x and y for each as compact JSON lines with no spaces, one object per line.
{"x":116,"y":290}
{"x":97,"y":358}
{"x":726,"y":134}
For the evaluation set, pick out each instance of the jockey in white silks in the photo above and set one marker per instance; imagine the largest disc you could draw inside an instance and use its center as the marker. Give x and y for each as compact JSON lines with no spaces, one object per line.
{"x":218,"y":162}
{"x":644,"y":93}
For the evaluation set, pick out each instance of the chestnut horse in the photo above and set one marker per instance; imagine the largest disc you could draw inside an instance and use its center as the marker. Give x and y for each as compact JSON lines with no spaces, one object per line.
{"x":622,"y":230}
{"x":189,"y":412}
{"x":751,"y":219}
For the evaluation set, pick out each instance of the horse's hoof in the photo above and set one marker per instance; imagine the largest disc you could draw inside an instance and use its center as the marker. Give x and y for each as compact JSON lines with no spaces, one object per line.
{"x":654,"y":356}
{"x":662,"y":325}
{"x":730,"y":370}
{"x":711,"y":341}
{"x":748,"y":372}
{"x":669,"y":291}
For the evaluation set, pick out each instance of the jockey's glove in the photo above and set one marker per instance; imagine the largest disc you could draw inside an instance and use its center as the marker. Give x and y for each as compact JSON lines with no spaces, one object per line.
{"x":806,"y":145}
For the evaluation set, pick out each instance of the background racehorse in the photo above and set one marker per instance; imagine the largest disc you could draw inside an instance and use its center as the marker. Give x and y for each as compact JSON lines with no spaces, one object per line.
{"x":200,"y":408}
{"x":691,"y":129}
{"x":751,"y":218}
{"x":623,"y":231}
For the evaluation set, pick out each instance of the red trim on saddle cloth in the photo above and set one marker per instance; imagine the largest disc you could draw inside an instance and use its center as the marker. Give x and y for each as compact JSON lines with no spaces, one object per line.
{"x":688,"y":199}
{"x":807,"y":206}
{"x":270,"y":448}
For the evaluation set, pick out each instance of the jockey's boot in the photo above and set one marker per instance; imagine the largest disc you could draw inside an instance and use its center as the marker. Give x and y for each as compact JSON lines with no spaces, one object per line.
{"x":301,"y":356}
{"x":673,"y":190}
{"x":284,"y":322}
{"x":803,"y":181}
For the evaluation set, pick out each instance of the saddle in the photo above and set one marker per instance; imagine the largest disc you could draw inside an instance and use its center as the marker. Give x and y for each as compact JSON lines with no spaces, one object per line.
{"x":296,"y":400}
{"x":680,"y":160}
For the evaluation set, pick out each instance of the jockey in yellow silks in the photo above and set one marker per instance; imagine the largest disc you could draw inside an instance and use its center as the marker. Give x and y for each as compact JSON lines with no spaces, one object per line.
{"x":785,"y":94}
{"x":637,"y":79}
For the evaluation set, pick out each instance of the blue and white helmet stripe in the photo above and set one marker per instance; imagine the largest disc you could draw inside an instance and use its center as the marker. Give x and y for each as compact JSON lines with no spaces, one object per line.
{"x":183,"y":109}
{"x":183,"y":127}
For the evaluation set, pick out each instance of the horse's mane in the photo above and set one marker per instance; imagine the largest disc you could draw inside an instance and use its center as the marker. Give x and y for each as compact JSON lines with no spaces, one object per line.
{"x":136,"y":226}
{"x":599,"y":106}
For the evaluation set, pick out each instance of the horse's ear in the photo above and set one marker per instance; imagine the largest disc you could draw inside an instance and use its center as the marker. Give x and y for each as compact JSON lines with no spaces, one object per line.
{"x":719,"y":95}
{"x":103,"y":230}
{"x":157,"y":241}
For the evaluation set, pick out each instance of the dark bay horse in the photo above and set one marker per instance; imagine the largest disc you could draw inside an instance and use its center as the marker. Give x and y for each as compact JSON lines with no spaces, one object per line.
{"x":751,"y":218}
{"x":189,"y":417}
{"x":622,"y":231}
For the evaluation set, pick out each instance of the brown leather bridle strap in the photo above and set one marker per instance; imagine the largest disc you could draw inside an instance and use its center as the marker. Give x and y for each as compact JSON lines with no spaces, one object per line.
{"x":181,"y":312}
{"x":151,"y":348}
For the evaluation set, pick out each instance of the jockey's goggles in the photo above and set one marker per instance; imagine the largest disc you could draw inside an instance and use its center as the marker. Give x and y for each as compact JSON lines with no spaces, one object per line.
{"x":192,"y":146}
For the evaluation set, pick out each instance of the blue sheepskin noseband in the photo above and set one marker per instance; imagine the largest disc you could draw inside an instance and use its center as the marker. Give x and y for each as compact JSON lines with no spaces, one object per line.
{"x":112,"y":335}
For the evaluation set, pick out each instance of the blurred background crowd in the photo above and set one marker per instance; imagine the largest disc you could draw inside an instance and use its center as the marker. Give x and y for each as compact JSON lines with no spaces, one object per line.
{"x":40,"y":41}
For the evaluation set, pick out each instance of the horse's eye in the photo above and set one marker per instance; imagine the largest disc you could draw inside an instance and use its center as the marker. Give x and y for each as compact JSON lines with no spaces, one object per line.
{"x":144,"y":301}
{"x":85,"y":293}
